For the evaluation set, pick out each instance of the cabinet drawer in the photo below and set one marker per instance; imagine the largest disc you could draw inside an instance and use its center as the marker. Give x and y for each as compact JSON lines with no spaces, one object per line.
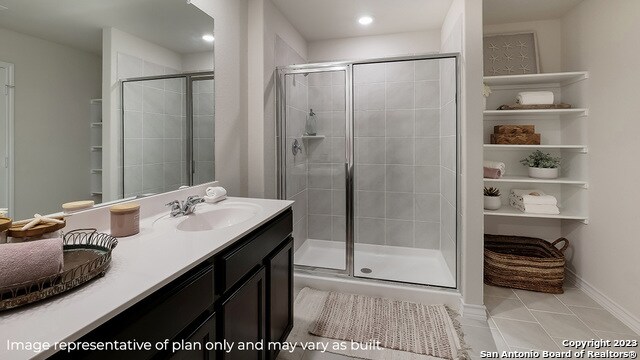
{"x":235,"y":263}
{"x":162,"y":315}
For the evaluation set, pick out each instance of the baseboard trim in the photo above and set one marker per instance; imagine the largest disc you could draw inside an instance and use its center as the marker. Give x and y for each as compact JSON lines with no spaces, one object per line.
{"x":618,"y":311}
{"x":469,"y":311}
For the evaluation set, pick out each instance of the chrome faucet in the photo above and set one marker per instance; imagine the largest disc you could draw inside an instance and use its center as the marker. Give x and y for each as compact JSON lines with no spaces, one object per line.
{"x":186,"y":207}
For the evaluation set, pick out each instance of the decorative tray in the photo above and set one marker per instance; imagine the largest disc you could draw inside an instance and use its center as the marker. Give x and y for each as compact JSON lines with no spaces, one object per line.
{"x":87,"y":254}
{"x":16,"y":231}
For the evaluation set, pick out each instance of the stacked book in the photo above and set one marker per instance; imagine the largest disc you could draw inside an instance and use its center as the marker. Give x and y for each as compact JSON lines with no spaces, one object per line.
{"x":515,"y":135}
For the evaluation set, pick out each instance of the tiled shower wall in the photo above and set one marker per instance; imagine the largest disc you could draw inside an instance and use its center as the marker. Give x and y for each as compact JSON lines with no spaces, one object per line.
{"x":397,"y":154}
{"x":203,"y":131}
{"x":154,"y":129}
{"x":448,"y":148}
{"x":326,"y":157}
{"x":296,"y":166}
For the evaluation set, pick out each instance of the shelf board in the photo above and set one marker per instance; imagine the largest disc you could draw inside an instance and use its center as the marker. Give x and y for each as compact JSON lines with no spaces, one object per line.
{"x":96,"y":148}
{"x":528,"y":180}
{"x":313,"y":137}
{"x":96,"y":193}
{"x":96,"y":101}
{"x":96,"y":171}
{"x":512,"y":212}
{"x":539,"y":112}
{"x":581,"y":148}
{"x":563,"y":78}
{"x":96,"y":124}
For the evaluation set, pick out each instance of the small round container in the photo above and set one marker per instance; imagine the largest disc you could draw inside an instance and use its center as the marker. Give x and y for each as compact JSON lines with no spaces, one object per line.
{"x":125,"y":219}
{"x":5,"y":224}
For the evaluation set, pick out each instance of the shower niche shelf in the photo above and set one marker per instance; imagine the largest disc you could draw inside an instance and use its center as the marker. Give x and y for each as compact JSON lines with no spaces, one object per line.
{"x":313,"y":137}
{"x":563,"y":133}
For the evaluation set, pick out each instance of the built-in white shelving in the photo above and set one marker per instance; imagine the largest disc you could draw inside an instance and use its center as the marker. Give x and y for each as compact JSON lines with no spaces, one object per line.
{"x":507,"y":210}
{"x":563,"y":133}
{"x":579,"y":148}
{"x":95,"y":143}
{"x":536,"y":112}
{"x":528,"y":180}
{"x":562,"y":79}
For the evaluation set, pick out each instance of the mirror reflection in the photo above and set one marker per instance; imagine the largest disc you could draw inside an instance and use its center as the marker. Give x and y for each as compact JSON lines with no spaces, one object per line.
{"x":88,"y":84}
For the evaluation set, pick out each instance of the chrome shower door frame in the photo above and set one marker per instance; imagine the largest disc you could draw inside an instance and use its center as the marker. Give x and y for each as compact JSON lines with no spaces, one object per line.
{"x":281,"y":128}
{"x":349,"y":147}
{"x":189,"y":79}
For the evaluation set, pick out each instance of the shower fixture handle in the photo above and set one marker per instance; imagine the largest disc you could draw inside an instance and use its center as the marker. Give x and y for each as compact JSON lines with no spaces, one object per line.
{"x":295,"y":147}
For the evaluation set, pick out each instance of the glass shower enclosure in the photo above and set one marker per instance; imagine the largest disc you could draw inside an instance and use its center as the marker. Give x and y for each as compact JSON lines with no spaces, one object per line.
{"x":375,"y":180}
{"x":168,"y":131}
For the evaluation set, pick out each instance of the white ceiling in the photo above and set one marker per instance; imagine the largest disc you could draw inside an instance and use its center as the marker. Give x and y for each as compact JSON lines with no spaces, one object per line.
{"x":508,"y":11}
{"x":332,"y":19}
{"x":172,"y":24}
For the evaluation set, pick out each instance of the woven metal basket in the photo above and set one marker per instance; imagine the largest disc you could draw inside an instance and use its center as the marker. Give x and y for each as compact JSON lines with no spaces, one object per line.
{"x":526,"y":263}
{"x":87,"y":254}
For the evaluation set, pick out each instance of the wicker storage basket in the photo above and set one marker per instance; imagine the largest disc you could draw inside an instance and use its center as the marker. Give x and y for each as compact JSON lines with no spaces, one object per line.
{"x":524,"y":263}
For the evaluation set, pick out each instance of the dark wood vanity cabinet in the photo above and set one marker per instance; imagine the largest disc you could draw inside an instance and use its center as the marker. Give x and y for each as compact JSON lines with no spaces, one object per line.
{"x":243,"y":294}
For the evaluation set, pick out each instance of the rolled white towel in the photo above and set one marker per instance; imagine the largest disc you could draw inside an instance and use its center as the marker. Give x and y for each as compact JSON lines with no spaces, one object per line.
{"x":535,"y":98}
{"x":533,"y":197}
{"x":495,"y":165}
{"x":216,"y":191}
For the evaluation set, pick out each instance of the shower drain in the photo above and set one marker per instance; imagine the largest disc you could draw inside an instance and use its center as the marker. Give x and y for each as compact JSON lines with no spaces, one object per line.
{"x":365,"y":271}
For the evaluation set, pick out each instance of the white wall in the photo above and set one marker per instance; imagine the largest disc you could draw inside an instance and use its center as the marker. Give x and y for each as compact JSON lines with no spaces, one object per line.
{"x":462,"y":32}
{"x":116,"y":42}
{"x":600,"y":37}
{"x":266,"y":24}
{"x":201,"y":61}
{"x":231,"y":53}
{"x":368,"y":47}
{"x":548,"y":35}
{"x":54,"y":84}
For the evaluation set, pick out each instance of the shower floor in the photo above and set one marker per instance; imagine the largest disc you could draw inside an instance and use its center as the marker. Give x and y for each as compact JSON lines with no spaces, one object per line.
{"x":411,"y":265}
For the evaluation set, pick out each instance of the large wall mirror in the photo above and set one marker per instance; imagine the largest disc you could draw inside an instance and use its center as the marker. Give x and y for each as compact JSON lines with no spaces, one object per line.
{"x":103,"y":100}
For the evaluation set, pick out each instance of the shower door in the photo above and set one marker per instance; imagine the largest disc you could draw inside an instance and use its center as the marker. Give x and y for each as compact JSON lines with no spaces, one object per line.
{"x":405,"y":170}
{"x":312,"y":159}
{"x":375,"y":183}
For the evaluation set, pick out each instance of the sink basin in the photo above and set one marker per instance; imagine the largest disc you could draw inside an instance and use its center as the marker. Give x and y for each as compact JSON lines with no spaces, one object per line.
{"x":210,"y":217}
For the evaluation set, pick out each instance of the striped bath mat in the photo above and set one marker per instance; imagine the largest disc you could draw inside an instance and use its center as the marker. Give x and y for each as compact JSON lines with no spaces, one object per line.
{"x":404,"y":330}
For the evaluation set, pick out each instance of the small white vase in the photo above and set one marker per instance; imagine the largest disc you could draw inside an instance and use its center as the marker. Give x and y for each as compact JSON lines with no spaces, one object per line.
{"x":492,"y":202}
{"x":543,"y":173}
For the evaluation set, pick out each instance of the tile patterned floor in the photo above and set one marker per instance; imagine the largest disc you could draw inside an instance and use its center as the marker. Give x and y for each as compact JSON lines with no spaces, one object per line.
{"x":524,"y":320}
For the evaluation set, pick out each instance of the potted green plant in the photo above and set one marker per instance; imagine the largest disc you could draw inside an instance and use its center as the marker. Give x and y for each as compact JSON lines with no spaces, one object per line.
{"x":492,"y":198}
{"x":541,"y":165}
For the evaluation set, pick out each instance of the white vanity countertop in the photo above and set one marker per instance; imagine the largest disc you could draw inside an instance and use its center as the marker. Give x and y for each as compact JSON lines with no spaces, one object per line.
{"x":141,"y":264}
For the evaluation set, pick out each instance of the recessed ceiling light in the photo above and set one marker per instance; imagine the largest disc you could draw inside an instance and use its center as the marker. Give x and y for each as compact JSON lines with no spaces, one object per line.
{"x":208,"y":37}
{"x":365,"y":20}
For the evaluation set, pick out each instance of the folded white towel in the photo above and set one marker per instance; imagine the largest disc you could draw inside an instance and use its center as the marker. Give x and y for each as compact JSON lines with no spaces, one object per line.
{"x":533,"y":197}
{"x":535,"y":209}
{"x":495,"y":165}
{"x":213,"y":199}
{"x":217,"y":191}
{"x":535,"y":98}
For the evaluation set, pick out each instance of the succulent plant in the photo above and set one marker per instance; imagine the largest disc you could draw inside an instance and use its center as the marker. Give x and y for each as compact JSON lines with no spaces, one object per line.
{"x":491,"y":191}
{"x":538,"y":159}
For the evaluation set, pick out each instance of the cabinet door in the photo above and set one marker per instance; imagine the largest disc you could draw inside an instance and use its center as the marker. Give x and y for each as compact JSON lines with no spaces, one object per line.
{"x":243,"y":318}
{"x":279,"y":266}
{"x":205,"y":333}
